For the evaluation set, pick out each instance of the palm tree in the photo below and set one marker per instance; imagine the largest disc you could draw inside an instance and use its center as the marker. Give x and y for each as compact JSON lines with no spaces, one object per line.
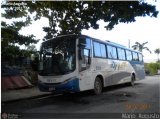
{"x":140,"y":47}
{"x":157,"y":51}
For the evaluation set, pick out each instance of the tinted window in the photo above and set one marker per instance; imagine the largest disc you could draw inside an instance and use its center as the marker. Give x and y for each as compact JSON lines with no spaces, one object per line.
{"x":97,"y":51}
{"x":140,"y":57}
{"x":85,"y":43}
{"x":88,"y":43}
{"x":58,"y":56}
{"x":121,"y":54}
{"x":112,"y":52}
{"x":103,"y":50}
{"x":86,"y":52}
{"x":129,"y":55}
{"x":135,"y":56}
{"x":109,"y":51}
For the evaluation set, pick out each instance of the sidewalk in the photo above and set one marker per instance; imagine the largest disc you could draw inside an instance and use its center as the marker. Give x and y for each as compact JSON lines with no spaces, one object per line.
{"x":20,"y":94}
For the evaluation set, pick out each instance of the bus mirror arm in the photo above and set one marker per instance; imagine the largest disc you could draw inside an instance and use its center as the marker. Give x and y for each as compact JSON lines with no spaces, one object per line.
{"x":79,"y":54}
{"x":89,"y":60}
{"x":89,"y":57}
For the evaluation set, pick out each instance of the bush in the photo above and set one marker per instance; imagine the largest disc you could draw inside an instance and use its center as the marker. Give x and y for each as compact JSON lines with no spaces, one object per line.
{"x":152,"y":68}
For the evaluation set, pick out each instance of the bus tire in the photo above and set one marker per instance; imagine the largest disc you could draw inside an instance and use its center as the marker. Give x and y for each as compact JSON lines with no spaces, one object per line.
{"x":133,"y":78}
{"x":97,"y":86}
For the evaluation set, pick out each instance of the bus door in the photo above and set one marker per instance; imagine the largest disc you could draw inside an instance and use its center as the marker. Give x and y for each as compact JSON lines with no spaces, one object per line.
{"x":84,"y":57}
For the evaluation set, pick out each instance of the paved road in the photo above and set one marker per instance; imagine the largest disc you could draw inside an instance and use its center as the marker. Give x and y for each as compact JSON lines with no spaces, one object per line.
{"x":143,"y":98}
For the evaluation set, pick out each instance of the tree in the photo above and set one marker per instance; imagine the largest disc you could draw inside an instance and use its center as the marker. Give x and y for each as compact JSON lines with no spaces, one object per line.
{"x":157,"y":51}
{"x":32,"y":48}
{"x":11,"y":39}
{"x":10,"y":34}
{"x":71,"y":17}
{"x":140,"y":47}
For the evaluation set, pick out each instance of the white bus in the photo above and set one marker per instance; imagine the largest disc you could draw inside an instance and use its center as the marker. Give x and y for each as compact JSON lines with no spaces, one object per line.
{"x":74,"y":63}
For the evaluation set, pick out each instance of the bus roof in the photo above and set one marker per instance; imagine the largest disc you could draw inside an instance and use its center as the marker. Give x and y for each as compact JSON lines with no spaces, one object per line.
{"x":103,"y":41}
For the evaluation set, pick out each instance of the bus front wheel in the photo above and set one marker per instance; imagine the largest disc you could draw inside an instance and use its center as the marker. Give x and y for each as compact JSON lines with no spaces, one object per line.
{"x":133,"y":78}
{"x":97,"y":86}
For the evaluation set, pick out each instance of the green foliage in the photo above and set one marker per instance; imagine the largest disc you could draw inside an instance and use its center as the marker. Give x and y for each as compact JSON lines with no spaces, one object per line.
{"x":152,"y":68}
{"x":10,"y":34}
{"x":32,"y":48}
{"x":11,"y":51}
{"x":140,"y":47}
{"x":10,"y":37}
{"x":73,"y":16}
{"x":157,"y":51}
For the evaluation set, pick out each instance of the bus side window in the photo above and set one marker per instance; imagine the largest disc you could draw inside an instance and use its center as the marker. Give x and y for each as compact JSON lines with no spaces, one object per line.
{"x":109,"y":51}
{"x":129,"y":55}
{"x":99,"y":50}
{"x":112,"y":52}
{"x":135,"y":56}
{"x":84,"y":53}
{"x":103,"y":50}
{"x":121,"y":54}
{"x":85,"y":43}
{"x":140,"y":57}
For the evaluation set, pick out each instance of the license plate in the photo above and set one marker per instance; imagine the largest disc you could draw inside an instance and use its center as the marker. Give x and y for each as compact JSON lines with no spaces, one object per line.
{"x":49,"y":80}
{"x":52,"y":88}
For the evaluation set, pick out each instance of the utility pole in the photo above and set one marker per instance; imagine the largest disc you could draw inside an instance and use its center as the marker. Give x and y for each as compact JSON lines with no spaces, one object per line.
{"x":129,"y":43}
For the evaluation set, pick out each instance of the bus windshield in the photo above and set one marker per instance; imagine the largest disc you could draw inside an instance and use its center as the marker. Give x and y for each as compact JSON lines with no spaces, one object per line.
{"x":57,"y":56}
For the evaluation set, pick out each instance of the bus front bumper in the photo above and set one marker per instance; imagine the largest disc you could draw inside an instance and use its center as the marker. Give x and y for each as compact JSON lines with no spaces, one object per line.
{"x":67,"y":86}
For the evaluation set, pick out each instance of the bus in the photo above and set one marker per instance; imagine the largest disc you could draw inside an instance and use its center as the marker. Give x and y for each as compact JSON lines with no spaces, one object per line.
{"x":74,"y":63}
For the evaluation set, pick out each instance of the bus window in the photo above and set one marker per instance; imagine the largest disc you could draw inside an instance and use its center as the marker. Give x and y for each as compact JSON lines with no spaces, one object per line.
{"x":121,"y":54}
{"x":112,"y":52}
{"x":135,"y":56}
{"x":85,"y":43}
{"x":97,"y":50}
{"x":103,"y":50}
{"x":129,"y":55}
{"x":58,"y":56}
{"x":109,"y":50}
{"x":140,"y":57}
{"x":84,"y":53}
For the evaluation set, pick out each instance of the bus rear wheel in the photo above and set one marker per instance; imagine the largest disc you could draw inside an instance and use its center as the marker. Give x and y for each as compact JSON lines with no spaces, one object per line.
{"x":97,"y":86}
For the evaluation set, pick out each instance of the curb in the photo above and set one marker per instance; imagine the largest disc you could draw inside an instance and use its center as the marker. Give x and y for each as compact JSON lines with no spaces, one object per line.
{"x":26,"y":98}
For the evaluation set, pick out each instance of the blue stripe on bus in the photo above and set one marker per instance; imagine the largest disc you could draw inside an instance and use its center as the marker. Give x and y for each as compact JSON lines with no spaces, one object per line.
{"x":136,"y":62}
{"x":70,"y":86}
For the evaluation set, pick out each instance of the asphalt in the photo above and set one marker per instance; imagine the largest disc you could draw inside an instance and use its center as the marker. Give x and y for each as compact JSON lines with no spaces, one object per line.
{"x":22,"y":94}
{"x":117,"y":101}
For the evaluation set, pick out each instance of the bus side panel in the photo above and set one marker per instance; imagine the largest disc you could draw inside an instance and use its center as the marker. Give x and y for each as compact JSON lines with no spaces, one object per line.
{"x":85,"y":80}
{"x":138,"y":69}
{"x":120,"y":72}
{"x":100,"y":67}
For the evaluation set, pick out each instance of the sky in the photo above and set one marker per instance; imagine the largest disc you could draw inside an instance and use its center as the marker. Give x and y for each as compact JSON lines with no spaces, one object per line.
{"x":144,"y":29}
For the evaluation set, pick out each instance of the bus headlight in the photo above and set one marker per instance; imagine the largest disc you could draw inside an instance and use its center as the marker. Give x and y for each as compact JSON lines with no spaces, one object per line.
{"x":66,"y":81}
